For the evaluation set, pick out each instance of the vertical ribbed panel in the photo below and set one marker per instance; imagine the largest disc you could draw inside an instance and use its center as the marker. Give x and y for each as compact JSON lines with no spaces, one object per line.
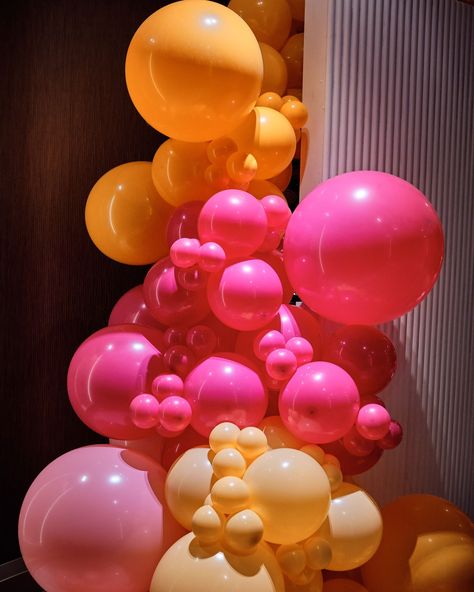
{"x":399,"y":98}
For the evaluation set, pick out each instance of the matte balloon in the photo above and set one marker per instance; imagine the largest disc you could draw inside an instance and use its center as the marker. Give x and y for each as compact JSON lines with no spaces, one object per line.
{"x":95,"y":519}
{"x":126,"y":217}
{"x":363,"y":248}
{"x":427,"y":546}
{"x":173,"y":448}
{"x":292,"y":53}
{"x":270,"y":99}
{"x":222,"y":388}
{"x":284,"y":178}
{"x":270,"y":20}
{"x":373,"y":422}
{"x":107,"y":371}
{"x":131,"y":309}
{"x":183,"y":222}
{"x":275,"y":76}
{"x":194,"y":70}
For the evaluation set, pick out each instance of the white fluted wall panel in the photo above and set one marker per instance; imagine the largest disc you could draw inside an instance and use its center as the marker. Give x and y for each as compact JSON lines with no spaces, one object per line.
{"x":399,"y":98}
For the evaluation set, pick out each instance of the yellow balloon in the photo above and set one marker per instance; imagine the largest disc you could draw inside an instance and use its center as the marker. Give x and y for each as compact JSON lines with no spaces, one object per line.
{"x":297,"y":9}
{"x":290,"y":492}
{"x":353,"y":527}
{"x":270,"y":20}
{"x":224,"y":435}
{"x":252,"y":442}
{"x":318,"y":552}
{"x":274,"y":429}
{"x":207,"y":525}
{"x":315,"y":584}
{"x":229,"y":495}
{"x":228,"y":462}
{"x":275,"y":76}
{"x":292,"y":53}
{"x":268,"y":135}
{"x":427,"y":546}
{"x":263,"y":188}
{"x":343,"y":585}
{"x":188,"y":483}
{"x":292,"y":559}
{"x":188,"y":566}
{"x":194,"y":70}
{"x":243,"y":531}
{"x":126,"y":218}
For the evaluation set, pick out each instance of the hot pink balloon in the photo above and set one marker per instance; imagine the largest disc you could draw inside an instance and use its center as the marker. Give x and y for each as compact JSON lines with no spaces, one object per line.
{"x":246,"y":295}
{"x":108,"y":371}
{"x":225,"y":388}
{"x":95,"y":520}
{"x":226,"y":337}
{"x":275,"y":260}
{"x":363,"y":248}
{"x":235,"y":220}
{"x":319,"y":403}
{"x":183,"y":222}
{"x":373,"y":421}
{"x":131,"y":309}
{"x":170,"y":303}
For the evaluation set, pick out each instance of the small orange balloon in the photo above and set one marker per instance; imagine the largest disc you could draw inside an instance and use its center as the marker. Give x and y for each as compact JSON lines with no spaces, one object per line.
{"x":126,"y":218}
{"x":270,"y":20}
{"x":296,"y":113}
{"x":292,"y":53}
{"x":275,"y":76}
{"x":270,"y":99}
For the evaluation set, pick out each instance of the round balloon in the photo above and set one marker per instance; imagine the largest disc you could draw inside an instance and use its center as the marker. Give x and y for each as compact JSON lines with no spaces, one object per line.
{"x":270,"y":20}
{"x":363,"y":248}
{"x":350,"y":464}
{"x":95,"y":519}
{"x":263,"y":188}
{"x":183,"y":222}
{"x":126,"y":217}
{"x":173,"y":448}
{"x":131,"y":309}
{"x":277,"y":435}
{"x":275,"y":76}
{"x":292,"y":53}
{"x":194,"y":70}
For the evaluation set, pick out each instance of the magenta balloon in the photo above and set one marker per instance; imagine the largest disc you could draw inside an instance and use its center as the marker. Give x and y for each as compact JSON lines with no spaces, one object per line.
{"x":170,"y":303}
{"x":363,"y":248}
{"x":108,"y":371}
{"x":246,"y":295}
{"x":95,"y":520}
{"x":184,"y":222}
{"x":224,"y":387}
{"x":275,"y":259}
{"x":319,"y":403}
{"x":131,"y":309}
{"x":235,"y":220}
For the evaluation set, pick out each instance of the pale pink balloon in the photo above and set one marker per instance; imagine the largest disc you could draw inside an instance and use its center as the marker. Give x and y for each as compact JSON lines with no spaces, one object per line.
{"x":108,"y":371}
{"x":363,"y":248}
{"x":225,"y":388}
{"x":235,"y":220}
{"x":95,"y":520}
{"x":170,"y":303}
{"x":131,"y":309}
{"x":246,"y":295}
{"x":319,"y":403}
{"x":183,"y":223}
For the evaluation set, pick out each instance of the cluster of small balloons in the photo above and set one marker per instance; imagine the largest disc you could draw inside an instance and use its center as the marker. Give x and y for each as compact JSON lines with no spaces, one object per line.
{"x":231,"y":413}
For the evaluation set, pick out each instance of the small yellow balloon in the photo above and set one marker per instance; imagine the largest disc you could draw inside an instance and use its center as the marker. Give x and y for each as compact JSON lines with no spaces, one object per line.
{"x":263,"y":188}
{"x":270,"y":20}
{"x":330,"y":459}
{"x":224,"y":435}
{"x":343,"y":585}
{"x":228,"y":462}
{"x":243,"y":531}
{"x":275,"y":76}
{"x":318,"y":552}
{"x":126,"y":217}
{"x":314,"y":585}
{"x":292,"y":53}
{"x":291,"y":558}
{"x":252,"y":442}
{"x":230,"y":495}
{"x":274,"y":429}
{"x":297,"y":9}
{"x":207,"y":525}
{"x":283,"y":179}
{"x":315,"y":452}
{"x":272,"y":100}
{"x":194,"y":70}
{"x":334,"y":474}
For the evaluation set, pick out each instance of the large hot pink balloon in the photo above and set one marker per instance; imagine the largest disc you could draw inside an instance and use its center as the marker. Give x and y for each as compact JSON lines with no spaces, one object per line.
{"x":363,"y":248}
{"x":225,"y":388}
{"x":275,"y":259}
{"x":131,"y":309}
{"x":95,"y":520}
{"x":168,"y":302}
{"x":107,"y":371}
{"x":319,"y":403}
{"x":183,"y":223}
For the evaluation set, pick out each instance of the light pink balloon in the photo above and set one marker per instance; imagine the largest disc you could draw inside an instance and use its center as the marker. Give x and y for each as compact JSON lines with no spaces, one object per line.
{"x":108,"y":371}
{"x":225,"y":388}
{"x":131,"y":309}
{"x":246,"y":295}
{"x":183,"y":222}
{"x":95,"y":520}
{"x":319,"y":403}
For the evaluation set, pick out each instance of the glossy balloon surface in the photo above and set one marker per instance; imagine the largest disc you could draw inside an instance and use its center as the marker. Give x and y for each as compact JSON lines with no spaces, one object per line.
{"x":183,"y":222}
{"x":270,"y":20}
{"x":350,"y":464}
{"x":275,"y":76}
{"x":131,"y":309}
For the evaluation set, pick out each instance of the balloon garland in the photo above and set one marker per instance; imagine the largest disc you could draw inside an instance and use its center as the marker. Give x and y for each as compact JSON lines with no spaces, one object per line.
{"x":236,"y":418}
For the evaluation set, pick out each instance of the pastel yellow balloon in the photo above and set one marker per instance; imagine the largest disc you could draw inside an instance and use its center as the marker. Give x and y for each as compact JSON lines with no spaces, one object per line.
{"x":269,"y":136}
{"x":263,"y":188}
{"x":292,"y":53}
{"x":273,"y":427}
{"x":229,"y":495}
{"x":224,"y":435}
{"x":291,"y":558}
{"x":207,"y":525}
{"x":188,"y":566}
{"x":252,"y":442}
{"x":315,"y":452}
{"x":297,"y":9}
{"x":126,"y":217}
{"x":330,"y":459}
{"x":270,"y":20}
{"x":343,"y":585}
{"x":318,"y":552}
{"x":275,"y":76}
{"x":290,"y":492}
{"x":334,"y":474}
{"x":194,"y":70}
{"x":353,"y":528}
{"x":228,"y":462}
{"x":188,"y":483}
{"x":243,"y":531}
{"x":314,"y":585}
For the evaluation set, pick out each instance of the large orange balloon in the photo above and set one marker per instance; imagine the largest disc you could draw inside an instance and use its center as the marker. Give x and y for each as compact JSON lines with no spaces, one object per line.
{"x":194,"y":70}
{"x":292,"y":53}
{"x":270,"y":20}
{"x":297,"y":9}
{"x":126,"y":218}
{"x":427,"y":546}
{"x":275,"y":76}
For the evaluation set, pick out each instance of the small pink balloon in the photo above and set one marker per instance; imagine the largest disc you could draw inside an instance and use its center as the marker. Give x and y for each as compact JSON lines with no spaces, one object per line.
{"x":267,"y":341}
{"x":212,"y":257}
{"x":131,"y":309}
{"x":301,"y":348}
{"x":393,"y":438}
{"x":166,"y":385}
{"x":179,"y":359}
{"x":277,"y":210}
{"x":144,"y":411}
{"x":224,"y":387}
{"x":192,"y":279}
{"x":175,"y":414}
{"x":184,"y":252}
{"x":235,"y":220}
{"x":174,"y":336}
{"x":319,"y":403}
{"x":246,"y":295}
{"x":281,"y":364}
{"x":202,"y":340}
{"x":271,"y":241}
{"x":174,"y":447}
{"x":168,"y":302}
{"x":373,"y":422}
{"x":356,"y":444}
{"x":183,"y":222}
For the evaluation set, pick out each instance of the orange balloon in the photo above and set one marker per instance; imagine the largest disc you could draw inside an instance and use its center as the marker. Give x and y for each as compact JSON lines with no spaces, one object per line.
{"x":270,"y":99}
{"x":126,"y":218}
{"x":263,"y":188}
{"x":283,"y":179}
{"x":270,"y":20}
{"x":292,"y":53}
{"x":427,"y":546}
{"x":343,"y":585}
{"x":297,"y":9}
{"x":275,"y":76}
{"x":314,"y":585}
{"x":194,"y":70}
